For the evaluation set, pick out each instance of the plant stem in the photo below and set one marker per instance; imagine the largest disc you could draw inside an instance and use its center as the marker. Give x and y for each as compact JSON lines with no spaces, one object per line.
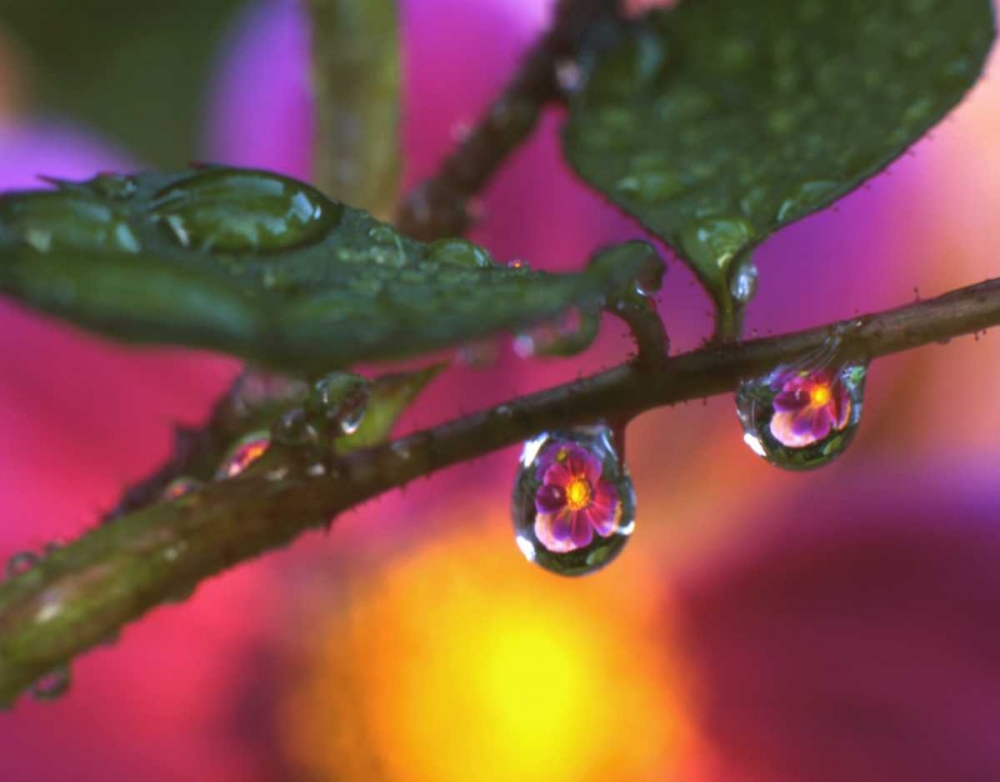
{"x":438,"y":207}
{"x":87,"y":591}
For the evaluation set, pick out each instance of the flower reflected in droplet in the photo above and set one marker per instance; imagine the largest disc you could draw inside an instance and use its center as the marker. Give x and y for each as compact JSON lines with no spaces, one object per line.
{"x":573,"y":501}
{"x":808,"y":406}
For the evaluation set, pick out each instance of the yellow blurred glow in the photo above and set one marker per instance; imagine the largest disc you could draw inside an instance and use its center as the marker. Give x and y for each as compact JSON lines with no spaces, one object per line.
{"x":820,"y":395}
{"x":464,"y":663}
{"x":578,"y":494}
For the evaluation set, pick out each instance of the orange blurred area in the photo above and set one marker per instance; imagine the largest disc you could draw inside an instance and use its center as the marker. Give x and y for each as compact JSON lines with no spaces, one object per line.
{"x":415,"y":643}
{"x":458,"y":662}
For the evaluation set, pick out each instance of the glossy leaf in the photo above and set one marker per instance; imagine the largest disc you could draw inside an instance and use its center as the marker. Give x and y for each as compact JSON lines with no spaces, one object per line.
{"x":721,"y":121}
{"x":264,"y":267}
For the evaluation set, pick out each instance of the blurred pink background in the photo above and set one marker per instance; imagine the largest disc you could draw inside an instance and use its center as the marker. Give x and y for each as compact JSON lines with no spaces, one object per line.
{"x":761,"y":627}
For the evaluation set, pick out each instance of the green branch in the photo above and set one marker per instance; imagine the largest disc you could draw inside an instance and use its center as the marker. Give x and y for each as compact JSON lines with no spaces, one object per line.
{"x":86,"y":592}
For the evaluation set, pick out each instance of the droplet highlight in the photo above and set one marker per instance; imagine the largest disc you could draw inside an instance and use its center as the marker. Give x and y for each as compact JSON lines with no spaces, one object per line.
{"x":802,"y":417}
{"x":341,"y":399}
{"x":244,"y":453}
{"x":573,"y":504}
{"x":459,"y":252}
{"x":180,"y":487}
{"x":52,"y":685}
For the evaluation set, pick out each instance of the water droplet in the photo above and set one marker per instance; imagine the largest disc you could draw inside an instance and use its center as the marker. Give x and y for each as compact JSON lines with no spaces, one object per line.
{"x":651,"y":186}
{"x":572,"y":332}
{"x":67,"y":220}
{"x":386,"y":237}
{"x":52,"y":685}
{"x":244,"y":453}
{"x":743,"y":283}
{"x":805,"y":198}
{"x":715,"y":241}
{"x":518,"y":263}
{"x":569,"y":76}
{"x":293,"y":430}
{"x":573,"y":505}
{"x":116,"y":187}
{"x":179,"y":487}
{"x":243,"y":211}
{"x":802,"y":417}
{"x":340,"y":398}
{"x":458,"y":252}
{"x":21,"y":562}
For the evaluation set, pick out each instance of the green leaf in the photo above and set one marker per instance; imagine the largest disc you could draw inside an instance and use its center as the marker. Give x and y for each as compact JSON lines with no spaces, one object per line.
{"x":721,"y":121}
{"x":267,"y":268}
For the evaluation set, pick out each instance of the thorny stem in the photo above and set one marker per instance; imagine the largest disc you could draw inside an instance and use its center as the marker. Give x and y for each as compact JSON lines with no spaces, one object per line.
{"x":438,"y":207}
{"x":85,"y":592}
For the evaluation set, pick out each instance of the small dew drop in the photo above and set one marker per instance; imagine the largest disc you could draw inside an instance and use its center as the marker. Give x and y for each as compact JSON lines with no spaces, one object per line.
{"x":21,"y":562}
{"x":716,"y":241}
{"x":52,"y":685}
{"x":244,"y":453}
{"x":341,"y":399}
{"x":743,"y":283}
{"x":180,"y":487}
{"x":802,"y":417}
{"x":574,"y":504}
{"x":459,"y":252}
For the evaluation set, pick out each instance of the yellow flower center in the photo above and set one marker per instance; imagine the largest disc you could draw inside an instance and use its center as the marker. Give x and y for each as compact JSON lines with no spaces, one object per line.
{"x":578,"y":494}
{"x":820,"y":396}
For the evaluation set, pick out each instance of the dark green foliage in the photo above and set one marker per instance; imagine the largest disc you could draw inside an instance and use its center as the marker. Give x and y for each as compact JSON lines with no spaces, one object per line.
{"x":721,"y":121}
{"x":267,"y":268}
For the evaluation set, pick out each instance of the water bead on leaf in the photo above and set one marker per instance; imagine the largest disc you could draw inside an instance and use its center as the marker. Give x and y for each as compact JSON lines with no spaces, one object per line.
{"x":244,"y":211}
{"x":341,"y":398}
{"x":244,"y":453}
{"x":180,"y":487}
{"x":573,"y":504}
{"x":800,"y":418}
{"x":66,"y":219}
{"x":459,"y":252}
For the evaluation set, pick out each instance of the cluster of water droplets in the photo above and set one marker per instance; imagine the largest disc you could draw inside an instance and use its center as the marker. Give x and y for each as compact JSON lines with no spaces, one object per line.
{"x":573,"y":505}
{"x":802,"y":416}
{"x":335,"y":407}
{"x":56,"y":682}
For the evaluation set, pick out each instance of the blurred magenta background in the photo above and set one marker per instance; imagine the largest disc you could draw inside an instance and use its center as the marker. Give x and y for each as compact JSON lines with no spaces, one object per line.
{"x":761,"y":627}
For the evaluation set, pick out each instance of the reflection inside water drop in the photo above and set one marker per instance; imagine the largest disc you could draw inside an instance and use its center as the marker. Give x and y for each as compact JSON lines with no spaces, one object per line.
{"x":245,"y":452}
{"x":573,"y":504}
{"x":799,"y":418}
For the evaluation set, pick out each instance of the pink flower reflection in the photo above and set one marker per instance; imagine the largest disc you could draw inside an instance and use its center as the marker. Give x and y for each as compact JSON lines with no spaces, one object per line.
{"x":808,"y":406}
{"x":574,"y":501}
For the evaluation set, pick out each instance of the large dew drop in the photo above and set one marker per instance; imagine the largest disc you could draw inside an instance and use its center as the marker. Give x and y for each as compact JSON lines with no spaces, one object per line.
{"x":799,"y":418}
{"x":573,"y":505}
{"x":241,"y":211}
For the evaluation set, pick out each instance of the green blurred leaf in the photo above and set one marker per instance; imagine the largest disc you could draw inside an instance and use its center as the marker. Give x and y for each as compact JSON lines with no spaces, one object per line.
{"x":134,"y":71}
{"x":267,"y":268}
{"x":721,"y":121}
